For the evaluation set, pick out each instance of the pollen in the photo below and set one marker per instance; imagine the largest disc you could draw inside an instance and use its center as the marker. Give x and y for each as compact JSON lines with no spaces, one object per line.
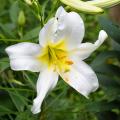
{"x":69,"y":62}
{"x":56,"y":55}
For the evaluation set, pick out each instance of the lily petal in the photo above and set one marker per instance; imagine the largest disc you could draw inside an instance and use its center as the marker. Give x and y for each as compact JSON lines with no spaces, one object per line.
{"x":24,"y":48}
{"x":47,"y":32}
{"x":22,"y":56}
{"x":82,"y":78}
{"x":46,"y":82}
{"x":85,"y":49}
{"x":70,"y":27}
{"x":25,"y":63}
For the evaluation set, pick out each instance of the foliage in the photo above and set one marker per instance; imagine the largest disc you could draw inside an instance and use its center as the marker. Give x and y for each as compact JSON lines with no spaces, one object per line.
{"x":17,"y":89}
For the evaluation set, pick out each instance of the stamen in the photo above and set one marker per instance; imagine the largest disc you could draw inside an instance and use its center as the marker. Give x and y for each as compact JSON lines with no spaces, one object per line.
{"x":55,"y":54}
{"x":69,"y":62}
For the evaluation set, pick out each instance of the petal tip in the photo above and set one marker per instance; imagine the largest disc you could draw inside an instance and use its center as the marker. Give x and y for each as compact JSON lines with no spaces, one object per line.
{"x":103,"y":34}
{"x":35,"y":110}
{"x":101,"y":38}
{"x":86,"y":93}
{"x":60,"y":8}
{"x":60,"y":12}
{"x":7,"y":50}
{"x":36,"y":107}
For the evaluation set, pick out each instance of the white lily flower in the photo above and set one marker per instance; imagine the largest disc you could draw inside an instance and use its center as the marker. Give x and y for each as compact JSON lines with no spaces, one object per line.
{"x":59,"y":52}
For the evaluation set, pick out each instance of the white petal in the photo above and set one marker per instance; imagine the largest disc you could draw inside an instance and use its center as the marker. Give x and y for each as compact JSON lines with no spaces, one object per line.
{"x":22,"y":56}
{"x":47,"y":32}
{"x":60,"y":12}
{"x":82,"y":78}
{"x":65,"y":26}
{"x":25,"y":63}
{"x":23,"y":48}
{"x":46,"y":82}
{"x":70,"y":27}
{"x":85,"y":49}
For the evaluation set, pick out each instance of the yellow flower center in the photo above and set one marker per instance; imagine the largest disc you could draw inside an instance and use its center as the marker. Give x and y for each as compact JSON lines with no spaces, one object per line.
{"x":56,"y":55}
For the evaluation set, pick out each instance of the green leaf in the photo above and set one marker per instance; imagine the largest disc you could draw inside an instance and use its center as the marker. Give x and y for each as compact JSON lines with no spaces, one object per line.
{"x":103,"y":57}
{"x":4,"y":64}
{"x":7,"y":31}
{"x":4,"y":109}
{"x":115,"y":45}
{"x":26,"y":115}
{"x":32,"y":34}
{"x":6,"y":106}
{"x":19,"y":99}
{"x":110,"y":87}
{"x":107,"y":81}
{"x":112,"y":29}
{"x":2,"y":6}
{"x":101,"y":106}
{"x":14,"y":11}
{"x":108,"y":69}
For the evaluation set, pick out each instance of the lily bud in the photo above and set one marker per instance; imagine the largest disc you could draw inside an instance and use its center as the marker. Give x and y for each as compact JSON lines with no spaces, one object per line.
{"x":21,"y":18}
{"x":104,"y":3}
{"x":29,"y":2}
{"x":82,"y":6}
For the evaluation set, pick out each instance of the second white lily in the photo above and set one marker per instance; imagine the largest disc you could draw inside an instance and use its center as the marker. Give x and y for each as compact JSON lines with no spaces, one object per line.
{"x":59,"y":52}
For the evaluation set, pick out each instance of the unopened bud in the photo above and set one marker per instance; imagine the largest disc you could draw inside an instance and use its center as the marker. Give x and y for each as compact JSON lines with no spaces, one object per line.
{"x":21,"y":18}
{"x":29,"y":2}
{"x":104,"y":3}
{"x":83,"y":6}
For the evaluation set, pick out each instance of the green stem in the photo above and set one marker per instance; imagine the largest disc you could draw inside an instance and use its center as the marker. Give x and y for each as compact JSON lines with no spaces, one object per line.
{"x":14,"y":40}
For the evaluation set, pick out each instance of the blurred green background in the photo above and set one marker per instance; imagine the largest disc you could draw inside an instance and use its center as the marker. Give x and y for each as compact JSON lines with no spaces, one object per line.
{"x":20,"y":22}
